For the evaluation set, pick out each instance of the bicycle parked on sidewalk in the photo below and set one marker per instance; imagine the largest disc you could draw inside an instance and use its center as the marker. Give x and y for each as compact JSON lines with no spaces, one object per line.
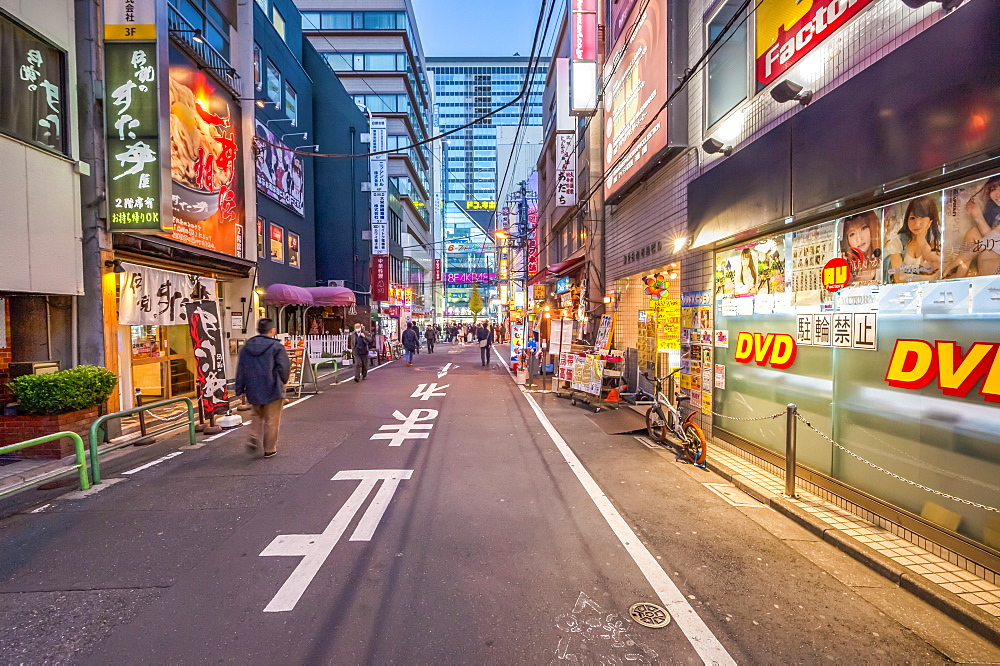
{"x":663,"y":417}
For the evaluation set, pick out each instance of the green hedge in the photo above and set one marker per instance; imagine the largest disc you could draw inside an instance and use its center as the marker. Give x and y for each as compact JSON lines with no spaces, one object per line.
{"x":64,"y":391}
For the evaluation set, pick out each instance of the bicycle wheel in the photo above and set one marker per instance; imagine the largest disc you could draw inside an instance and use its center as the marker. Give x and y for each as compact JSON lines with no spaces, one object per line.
{"x":656,"y":425}
{"x":695,"y":448}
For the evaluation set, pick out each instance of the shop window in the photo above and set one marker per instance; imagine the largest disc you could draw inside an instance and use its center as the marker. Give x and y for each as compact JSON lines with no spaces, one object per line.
{"x":32,"y":85}
{"x":277,"y":244}
{"x":258,"y":77}
{"x":728,"y":73}
{"x":293,"y":250}
{"x":273,"y":82}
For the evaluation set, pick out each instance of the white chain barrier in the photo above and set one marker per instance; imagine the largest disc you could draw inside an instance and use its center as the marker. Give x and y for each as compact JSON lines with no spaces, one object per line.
{"x":893,"y":474}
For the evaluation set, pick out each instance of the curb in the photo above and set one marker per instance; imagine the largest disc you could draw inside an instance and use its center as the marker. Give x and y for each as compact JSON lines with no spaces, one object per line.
{"x":949,"y":603}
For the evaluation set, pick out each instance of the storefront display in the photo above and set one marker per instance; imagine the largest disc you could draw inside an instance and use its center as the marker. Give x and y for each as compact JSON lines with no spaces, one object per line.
{"x":649,"y":318}
{"x":899,"y":365}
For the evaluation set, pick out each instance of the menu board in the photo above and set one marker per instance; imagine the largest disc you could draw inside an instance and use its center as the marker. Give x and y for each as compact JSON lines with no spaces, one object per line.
{"x":296,"y":354}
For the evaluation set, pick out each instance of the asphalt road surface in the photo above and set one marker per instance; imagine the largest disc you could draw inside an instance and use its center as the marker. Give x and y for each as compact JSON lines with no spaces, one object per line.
{"x":434,"y":515}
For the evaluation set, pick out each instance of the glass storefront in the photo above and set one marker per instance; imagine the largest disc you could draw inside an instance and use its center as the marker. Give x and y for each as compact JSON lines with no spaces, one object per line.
{"x":649,"y":312}
{"x":162,"y":361}
{"x":884,"y":329}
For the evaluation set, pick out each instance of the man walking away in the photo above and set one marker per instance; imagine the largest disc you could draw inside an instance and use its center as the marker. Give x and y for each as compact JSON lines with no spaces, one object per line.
{"x":360,"y":342}
{"x":261,"y":375}
{"x":431,"y":336}
{"x":485,"y":337}
{"x":410,"y":342}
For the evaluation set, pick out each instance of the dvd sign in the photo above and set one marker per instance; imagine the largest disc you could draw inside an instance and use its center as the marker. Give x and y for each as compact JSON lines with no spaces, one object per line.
{"x":789,"y":29}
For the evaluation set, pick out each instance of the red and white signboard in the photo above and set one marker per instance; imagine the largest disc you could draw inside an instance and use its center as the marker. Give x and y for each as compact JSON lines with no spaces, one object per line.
{"x":532,"y":243}
{"x":380,"y":277}
{"x":437,"y":270}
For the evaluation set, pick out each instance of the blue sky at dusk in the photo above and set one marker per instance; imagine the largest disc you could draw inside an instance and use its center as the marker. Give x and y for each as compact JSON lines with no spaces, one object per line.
{"x":476,"y":27}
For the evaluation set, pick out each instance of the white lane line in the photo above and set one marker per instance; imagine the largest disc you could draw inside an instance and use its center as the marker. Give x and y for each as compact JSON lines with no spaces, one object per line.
{"x":155,"y":462}
{"x":697,"y":632}
{"x":302,"y":399}
{"x":41,"y":508}
{"x":225,"y":432}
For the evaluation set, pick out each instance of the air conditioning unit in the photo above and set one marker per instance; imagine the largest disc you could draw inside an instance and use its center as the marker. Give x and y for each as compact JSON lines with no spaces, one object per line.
{"x":335,"y":283}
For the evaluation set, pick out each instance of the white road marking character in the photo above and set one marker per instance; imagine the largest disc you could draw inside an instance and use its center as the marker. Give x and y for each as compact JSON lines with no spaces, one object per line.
{"x":314,"y":549}
{"x":427,"y":391}
{"x":405,"y":430}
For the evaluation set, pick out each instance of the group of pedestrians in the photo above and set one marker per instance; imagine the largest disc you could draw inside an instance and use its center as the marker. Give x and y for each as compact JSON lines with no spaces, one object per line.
{"x":264,"y":368}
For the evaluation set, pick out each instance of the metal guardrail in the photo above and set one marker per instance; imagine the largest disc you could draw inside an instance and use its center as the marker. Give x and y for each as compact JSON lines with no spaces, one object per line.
{"x":95,"y":428}
{"x":81,"y":462}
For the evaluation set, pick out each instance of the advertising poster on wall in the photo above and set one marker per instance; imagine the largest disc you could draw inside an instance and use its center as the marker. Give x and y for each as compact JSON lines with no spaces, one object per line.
{"x":811,"y":249}
{"x":913,"y":242}
{"x":635,"y":126}
{"x":861,"y":245}
{"x":205,"y":159}
{"x":972,"y":229}
{"x":758,"y":268}
{"x":280,"y":173}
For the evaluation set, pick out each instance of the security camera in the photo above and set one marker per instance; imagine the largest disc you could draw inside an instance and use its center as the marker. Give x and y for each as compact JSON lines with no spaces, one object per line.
{"x":713,"y":146}
{"x":946,"y":5}
{"x":788,"y":91}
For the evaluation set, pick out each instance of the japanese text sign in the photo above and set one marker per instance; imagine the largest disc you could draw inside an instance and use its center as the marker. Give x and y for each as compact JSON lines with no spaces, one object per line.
{"x":206,"y":340}
{"x":133,"y":129}
{"x":31,"y":82}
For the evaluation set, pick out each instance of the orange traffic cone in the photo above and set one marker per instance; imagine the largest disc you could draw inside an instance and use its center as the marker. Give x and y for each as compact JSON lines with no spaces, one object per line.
{"x":612,"y":396}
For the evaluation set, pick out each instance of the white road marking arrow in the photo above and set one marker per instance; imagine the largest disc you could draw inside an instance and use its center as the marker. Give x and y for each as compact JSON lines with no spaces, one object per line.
{"x":314,"y":549}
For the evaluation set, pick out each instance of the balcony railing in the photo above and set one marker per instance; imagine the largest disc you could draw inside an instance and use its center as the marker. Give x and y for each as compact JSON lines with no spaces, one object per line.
{"x":183,"y":34}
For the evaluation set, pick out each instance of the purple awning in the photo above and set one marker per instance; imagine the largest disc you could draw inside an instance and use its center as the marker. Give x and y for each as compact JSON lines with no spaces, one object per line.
{"x":286,"y":294}
{"x":331,"y":295}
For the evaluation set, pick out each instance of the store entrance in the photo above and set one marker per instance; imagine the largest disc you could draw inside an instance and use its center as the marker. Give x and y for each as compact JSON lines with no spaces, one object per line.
{"x":163,"y":364}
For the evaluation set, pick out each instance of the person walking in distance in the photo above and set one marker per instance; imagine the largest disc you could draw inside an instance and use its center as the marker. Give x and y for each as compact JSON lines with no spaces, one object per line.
{"x":261,"y":374}
{"x":360,"y":343}
{"x":485,"y":337}
{"x":410,"y":342}
{"x":431,"y":336}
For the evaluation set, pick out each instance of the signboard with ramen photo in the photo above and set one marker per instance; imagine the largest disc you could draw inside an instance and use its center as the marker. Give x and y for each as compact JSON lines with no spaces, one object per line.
{"x":205,"y":163}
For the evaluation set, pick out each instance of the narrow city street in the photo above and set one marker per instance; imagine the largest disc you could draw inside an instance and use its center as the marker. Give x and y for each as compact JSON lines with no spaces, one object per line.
{"x":433,"y":514}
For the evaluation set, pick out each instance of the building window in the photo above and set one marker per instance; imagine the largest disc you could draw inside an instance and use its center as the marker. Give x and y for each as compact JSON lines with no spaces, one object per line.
{"x":273,"y":83}
{"x":263,"y":5}
{"x":258,"y":78}
{"x":279,"y":22}
{"x":202,"y":15}
{"x":32,"y":87}
{"x":728,"y":68}
{"x":293,"y":250}
{"x":291,"y":104}
{"x":277,"y":244}
{"x":261,"y":251}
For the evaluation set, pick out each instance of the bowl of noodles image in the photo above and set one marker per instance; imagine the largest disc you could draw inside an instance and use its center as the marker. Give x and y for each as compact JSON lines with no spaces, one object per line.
{"x":192,"y":144}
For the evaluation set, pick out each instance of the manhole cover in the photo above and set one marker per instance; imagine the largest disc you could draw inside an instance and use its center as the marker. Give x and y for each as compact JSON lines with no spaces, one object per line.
{"x":649,"y":615}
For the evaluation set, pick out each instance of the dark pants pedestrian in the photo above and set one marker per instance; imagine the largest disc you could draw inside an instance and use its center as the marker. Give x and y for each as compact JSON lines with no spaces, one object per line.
{"x":430,"y":346}
{"x":360,"y":366}
{"x":484,"y":353}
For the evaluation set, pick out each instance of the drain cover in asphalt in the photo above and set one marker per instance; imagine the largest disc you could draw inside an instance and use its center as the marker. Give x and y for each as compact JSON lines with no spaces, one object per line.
{"x":649,"y":615}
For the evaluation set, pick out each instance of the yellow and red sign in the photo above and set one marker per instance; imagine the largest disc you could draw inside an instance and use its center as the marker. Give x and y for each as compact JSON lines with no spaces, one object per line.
{"x":915,"y":364}
{"x":789,"y":29}
{"x":775,"y":349}
{"x":836,"y":274}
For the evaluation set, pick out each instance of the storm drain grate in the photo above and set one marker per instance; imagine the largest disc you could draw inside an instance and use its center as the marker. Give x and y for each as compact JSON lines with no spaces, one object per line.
{"x":649,"y":615}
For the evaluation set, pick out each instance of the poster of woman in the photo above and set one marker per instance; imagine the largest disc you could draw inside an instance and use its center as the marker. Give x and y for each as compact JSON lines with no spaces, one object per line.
{"x":861,"y":246}
{"x":751,"y":269}
{"x":972,"y":229}
{"x":913,"y":239}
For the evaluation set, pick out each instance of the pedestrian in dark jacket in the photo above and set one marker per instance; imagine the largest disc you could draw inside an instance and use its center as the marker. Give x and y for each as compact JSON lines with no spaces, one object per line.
{"x":431,"y":336}
{"x":485,"y":337}
{"x":261,"y":375}
{"x":410,"y":342}
{"x":360,"y":343}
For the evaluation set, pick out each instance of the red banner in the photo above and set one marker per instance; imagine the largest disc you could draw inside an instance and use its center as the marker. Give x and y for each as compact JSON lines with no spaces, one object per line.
{"x":584,"y":18}
{"x":437,"y":270}
{"x":380,"y":277}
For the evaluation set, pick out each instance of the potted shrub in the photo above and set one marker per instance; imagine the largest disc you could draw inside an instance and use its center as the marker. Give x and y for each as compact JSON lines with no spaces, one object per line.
{"x":53,"y":402}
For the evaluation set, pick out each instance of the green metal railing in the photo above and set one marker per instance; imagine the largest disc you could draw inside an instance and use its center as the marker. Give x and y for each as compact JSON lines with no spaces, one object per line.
{"x":81,"y":462}
{"x":95,"y":428}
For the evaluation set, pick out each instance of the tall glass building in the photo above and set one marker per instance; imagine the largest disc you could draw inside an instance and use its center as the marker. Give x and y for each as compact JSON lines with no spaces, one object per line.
{"x":465,"y":89}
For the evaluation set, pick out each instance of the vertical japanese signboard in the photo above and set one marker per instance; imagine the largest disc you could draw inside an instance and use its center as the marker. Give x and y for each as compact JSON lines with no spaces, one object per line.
{"x":565,"y":170}
{"x":132,"y":117}
{"x":583,"y":68}
{"x":206,"y":339}
{"x":380,"y":278}
{"x":378,"y":167}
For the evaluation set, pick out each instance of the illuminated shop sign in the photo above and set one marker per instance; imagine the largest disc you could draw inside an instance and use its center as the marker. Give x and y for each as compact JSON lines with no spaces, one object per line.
{"x":562,"y":285}
{"x":789,"y":29}
{"x":915,"y":364}
{"x":635,"y":126}
{"x":480,"y":205}
{"x":775,"y":349}
{"x":583,"y":66}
